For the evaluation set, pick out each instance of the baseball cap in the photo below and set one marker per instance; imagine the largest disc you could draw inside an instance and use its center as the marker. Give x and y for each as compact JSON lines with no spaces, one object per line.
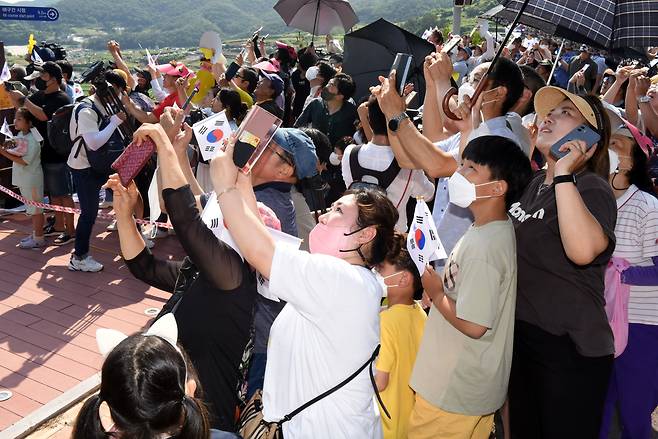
{"x":276,"y":81}
{"x":547,"y":98}
{"x":290,"y":49}
{"x":266,"y":66}
{"x":301,"y":147}
{"x":174,"y":69}
{"x":48,"y":67}
{"x":466,"y":49}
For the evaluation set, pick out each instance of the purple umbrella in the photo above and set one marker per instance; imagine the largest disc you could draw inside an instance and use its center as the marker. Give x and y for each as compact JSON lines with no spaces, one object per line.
{"x":318,"y":17}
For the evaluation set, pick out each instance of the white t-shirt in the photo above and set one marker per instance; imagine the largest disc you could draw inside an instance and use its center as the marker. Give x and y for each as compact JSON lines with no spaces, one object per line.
{"x":326,"y":331}
{"x":636,"y":233}
{"x":407,"y":184}
{"x":87,"y":123}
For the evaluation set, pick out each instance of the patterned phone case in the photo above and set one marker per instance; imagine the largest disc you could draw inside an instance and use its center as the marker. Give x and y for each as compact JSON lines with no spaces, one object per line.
{"x":132,"y":160}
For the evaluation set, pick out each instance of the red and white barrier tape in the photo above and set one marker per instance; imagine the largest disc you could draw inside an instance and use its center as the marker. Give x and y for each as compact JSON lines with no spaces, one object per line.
{"x":56,"y":208}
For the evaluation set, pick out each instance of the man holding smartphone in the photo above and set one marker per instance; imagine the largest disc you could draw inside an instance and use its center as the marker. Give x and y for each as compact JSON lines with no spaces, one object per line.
{"x":578,"y":64}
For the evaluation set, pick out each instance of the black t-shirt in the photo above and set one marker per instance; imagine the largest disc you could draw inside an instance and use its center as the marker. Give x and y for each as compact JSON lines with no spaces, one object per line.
{"x":302,"y":89}
{"x":272,"y":107}
{"x":553,"y":293}
{"x":49,"y":103}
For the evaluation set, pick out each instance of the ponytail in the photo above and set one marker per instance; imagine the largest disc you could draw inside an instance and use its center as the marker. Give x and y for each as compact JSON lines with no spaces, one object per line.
{"x":195,"y":425}
{"x":88,"y":423}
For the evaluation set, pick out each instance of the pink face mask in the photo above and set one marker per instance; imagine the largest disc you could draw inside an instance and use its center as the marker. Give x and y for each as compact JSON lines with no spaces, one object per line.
{"x":331,"y":240}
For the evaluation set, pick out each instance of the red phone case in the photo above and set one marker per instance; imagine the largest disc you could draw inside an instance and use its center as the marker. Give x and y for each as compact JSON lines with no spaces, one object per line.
{"x":132,"y":160}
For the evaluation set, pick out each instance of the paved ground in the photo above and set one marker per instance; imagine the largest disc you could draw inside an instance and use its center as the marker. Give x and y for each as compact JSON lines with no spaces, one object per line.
{"x":49,"y":315}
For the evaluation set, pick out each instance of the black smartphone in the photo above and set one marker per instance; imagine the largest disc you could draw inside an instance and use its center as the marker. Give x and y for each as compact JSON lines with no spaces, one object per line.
{"x":231,"y":71}
{"x":450,"y":45}
{"x":402,"y":67}
{"x":582,"y":132}
{"x":653,"y":68}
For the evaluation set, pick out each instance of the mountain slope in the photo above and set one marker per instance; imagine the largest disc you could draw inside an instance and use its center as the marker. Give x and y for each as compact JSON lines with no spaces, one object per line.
{"x":180,"y":23}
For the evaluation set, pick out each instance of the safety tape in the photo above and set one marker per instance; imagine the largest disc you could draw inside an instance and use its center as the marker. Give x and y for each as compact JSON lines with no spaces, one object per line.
{"x":56,"y":208}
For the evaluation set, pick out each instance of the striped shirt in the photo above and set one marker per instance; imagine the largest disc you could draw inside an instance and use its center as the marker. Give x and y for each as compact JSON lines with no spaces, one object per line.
{"x":637,"y":235}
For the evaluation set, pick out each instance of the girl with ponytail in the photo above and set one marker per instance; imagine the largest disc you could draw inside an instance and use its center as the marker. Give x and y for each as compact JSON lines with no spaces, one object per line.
{"x":146,"y":390}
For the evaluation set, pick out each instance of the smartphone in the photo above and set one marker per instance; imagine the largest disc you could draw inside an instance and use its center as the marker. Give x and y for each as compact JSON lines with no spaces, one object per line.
{"x":231,"y":71}
{"x":582,"y":132}
{"x":450,"y":45}
{"x":402,"y":67}
{"x":653,"y":68}
{"x":253,"y":136}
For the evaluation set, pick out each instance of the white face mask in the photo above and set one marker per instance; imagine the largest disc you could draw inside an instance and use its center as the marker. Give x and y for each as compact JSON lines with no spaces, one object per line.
{"x":462,"y":192}
{"x":334,"y":159}
{"x":614,"y":160}
{"x":381,"y":280}
{"x":312,"y":73}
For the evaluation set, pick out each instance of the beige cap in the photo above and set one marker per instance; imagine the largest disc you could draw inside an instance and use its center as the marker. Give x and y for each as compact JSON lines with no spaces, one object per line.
{"x":547,"y":98}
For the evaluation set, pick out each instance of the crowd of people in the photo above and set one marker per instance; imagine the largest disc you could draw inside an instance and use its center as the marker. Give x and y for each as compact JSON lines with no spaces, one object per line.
{"x":542,"y":322}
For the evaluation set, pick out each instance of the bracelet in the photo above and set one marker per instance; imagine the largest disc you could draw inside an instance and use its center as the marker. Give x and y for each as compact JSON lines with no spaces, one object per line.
{"x":228,"y":189}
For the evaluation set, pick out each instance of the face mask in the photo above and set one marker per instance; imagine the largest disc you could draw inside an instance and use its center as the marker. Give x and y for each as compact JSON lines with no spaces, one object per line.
{"x":334,"y":159}
{"x":462,"y":192}
{"x":381,"y":280}
{"x":40,"y":84}
{"x":332,"y":241}
{"x":312,"y":73}
{"x":614,"y":160}
{"x":543,"y":46}
{"x":327,"y":95}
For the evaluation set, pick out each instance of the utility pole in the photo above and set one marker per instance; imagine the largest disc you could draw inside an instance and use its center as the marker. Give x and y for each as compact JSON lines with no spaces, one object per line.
{"x":456,"y":18}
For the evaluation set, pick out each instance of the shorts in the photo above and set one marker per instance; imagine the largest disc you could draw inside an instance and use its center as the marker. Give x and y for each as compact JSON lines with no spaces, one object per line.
{"x":32,"y":193}
{"x":57,"y":179}
{"x":428,"y":421}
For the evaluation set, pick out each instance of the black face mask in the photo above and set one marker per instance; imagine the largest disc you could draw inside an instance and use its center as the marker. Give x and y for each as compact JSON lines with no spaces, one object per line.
{"x":40,"y":84}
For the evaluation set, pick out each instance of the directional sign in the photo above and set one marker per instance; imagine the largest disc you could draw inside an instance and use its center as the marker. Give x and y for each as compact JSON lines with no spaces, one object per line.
{"x":28,"y":13}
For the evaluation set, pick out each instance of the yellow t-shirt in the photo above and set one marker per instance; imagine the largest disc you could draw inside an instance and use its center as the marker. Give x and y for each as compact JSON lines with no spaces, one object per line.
{"x":401,"y":329}
{"x":245,"y":97}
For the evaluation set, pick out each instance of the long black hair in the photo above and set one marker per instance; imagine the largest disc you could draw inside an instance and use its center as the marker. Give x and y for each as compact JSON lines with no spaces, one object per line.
{"x":639,"y":172}
{"x":143,"y":383}
{"x":232,"y":103}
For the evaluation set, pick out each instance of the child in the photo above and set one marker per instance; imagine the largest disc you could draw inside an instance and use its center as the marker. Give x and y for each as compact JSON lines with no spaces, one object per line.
{"x":401,"y":329}
{"x":27,"y":174}
{"x":463,"y":364}
{"x":147,"y":389}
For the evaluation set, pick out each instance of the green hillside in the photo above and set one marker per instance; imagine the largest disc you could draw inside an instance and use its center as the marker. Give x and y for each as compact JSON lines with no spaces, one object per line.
{"x":179,"y":23}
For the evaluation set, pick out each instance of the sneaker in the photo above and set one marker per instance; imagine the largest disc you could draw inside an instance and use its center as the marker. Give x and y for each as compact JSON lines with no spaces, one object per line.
{"x":105,"y":204}
{"x":31,"y":242}
{"x":49,"y":228}
{"x":63,"y":239}
{"x":112,"y":226}
{"x":87,"y":264}
{"x":159,"y":233}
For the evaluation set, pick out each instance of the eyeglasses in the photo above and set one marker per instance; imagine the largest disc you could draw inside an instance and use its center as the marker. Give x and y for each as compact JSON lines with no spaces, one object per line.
{"x":281,"y":156}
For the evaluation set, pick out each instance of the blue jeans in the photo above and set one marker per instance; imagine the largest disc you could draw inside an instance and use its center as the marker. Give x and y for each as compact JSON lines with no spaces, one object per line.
{"x":88,"y":185}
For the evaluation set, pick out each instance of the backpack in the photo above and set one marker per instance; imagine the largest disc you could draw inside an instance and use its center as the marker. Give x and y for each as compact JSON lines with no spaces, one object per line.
{"x":59,"y":136}
{"x":384,"y":178}
{"x":100,"y":160}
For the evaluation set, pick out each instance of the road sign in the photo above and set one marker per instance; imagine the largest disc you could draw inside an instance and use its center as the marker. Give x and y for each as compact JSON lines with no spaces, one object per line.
{"x":28,"y":13}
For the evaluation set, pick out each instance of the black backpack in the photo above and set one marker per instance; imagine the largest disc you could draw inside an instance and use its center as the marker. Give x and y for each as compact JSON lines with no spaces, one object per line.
{"x":384,"y":178}
{"x":59,"y":136}
{"x":101,"y":159}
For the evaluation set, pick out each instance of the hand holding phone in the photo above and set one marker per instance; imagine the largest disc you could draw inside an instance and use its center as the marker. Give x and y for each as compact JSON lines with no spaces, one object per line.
{"x":450,"y":45}
{"x":402,"y":67}
{"x":581,"y":132}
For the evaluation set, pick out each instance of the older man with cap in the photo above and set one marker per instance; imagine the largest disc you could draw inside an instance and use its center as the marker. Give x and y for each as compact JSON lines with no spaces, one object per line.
{"x":174,"y":75}
{"x":577,"y":66}
{"x":268,"y":89}
{"x":288,"y":159}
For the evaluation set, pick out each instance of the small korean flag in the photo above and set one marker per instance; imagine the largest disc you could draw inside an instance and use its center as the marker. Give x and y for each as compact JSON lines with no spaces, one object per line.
{"x":211,"y":134}
{"x":423,"y":241}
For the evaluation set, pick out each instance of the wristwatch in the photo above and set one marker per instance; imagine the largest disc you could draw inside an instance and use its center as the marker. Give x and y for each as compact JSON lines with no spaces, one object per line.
{"x":644,"y":99}
{"x":394,"y":123}
{"x":569,"y":178}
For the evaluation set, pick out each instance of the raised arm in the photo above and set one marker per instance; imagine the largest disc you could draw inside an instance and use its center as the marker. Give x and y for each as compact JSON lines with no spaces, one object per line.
{"x":115,"y":50}
{"x":582,"y":235}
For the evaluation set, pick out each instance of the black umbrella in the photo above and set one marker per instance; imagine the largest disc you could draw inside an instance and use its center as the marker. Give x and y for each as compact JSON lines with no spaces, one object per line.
{"x":370,"y":52}
{"x":608,"y":24}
